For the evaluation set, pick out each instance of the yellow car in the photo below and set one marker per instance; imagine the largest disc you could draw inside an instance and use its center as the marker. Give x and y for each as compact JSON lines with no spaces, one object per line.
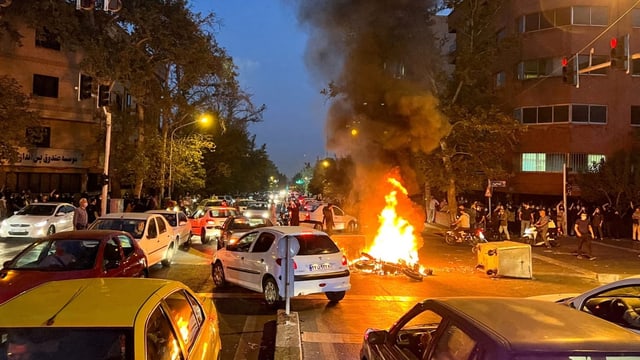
{"x":109,"y":319}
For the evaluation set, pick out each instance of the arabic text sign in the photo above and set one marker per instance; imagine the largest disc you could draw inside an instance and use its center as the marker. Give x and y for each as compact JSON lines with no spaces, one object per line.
{"x":498,"y":183}
{"x":48,"y":158}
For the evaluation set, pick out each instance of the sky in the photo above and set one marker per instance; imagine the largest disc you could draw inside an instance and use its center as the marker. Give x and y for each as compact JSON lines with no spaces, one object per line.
{"x":267,"y":46}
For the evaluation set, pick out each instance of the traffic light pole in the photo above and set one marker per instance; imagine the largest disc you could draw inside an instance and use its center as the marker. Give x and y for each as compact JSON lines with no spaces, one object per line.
{"x":107,"y":150}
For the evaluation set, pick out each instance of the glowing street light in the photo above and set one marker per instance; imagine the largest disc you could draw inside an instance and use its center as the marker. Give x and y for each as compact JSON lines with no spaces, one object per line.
{"x":203,"y":119}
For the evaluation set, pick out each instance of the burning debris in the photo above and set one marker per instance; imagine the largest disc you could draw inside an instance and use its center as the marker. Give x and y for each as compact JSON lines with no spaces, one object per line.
{"x":395,"y":247}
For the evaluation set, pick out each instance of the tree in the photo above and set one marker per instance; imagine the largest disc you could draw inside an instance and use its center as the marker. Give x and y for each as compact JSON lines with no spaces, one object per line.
{"x":15,"y":115}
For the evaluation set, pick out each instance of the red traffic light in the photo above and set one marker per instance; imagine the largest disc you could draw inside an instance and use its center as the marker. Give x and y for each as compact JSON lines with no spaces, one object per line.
{"x":565,"y":61}
{"x":613,"y":43}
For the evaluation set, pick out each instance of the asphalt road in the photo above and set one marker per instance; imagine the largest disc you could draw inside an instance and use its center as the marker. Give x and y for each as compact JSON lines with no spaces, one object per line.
{"x":335,"y":330}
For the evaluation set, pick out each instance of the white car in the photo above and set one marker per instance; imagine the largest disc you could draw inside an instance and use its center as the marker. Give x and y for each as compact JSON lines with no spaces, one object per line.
{"x":242,"y":204}
{"x":180,"y":224}
{"x":311,"y":215}
{"x":257,"y":209}
{"x":38,"y":220}
{"x":152,"y":232}
{"x":253,"y":263}
{"x":605,"y":301}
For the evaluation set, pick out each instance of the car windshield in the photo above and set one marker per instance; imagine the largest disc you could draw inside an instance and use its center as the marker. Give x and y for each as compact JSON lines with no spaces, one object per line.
{"x":60,"y":255}
{"x":312,"y":244}
{"x":135,"y":227}
{"x":248,"y":223}
{"x":37,"y":210}
{"x":66,"y":343}
{"x":220,"y":213}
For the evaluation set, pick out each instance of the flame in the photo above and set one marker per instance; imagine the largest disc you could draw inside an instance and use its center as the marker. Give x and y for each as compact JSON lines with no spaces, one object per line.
{"x":395,"y":241}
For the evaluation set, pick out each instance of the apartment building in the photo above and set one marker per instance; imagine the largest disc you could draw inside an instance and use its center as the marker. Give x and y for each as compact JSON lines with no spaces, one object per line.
{"x":68,"y":152}
{"x":577,"y":125}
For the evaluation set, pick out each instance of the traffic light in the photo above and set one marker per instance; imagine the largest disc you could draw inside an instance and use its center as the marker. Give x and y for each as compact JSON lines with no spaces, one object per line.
{"x":568,"y":71}
{"x":620,"y":52}
{"x":103,"y":95}
{"x":85,"y":85}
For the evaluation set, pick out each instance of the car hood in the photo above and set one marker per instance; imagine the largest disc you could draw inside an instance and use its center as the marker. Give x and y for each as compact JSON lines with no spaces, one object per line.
{"x":27,"y":219}
{"x":13,"y":282}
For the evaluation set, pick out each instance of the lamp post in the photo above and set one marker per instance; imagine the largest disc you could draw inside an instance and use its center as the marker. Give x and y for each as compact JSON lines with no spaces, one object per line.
{"x":202,"y":119}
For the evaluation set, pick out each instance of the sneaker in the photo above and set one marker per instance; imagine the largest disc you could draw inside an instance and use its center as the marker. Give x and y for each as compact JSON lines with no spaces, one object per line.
{"x":575,"y":252}
{"x":580,"y":257}
{"x":592,"y":258}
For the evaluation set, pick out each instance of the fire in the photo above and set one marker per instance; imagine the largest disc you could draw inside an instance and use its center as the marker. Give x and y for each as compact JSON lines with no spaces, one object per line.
{"x":395,"y":241}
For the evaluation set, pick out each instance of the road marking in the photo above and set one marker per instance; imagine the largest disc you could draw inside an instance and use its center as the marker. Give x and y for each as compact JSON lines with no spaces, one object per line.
{"x":321,"y":337}
{"x":250,"y":339}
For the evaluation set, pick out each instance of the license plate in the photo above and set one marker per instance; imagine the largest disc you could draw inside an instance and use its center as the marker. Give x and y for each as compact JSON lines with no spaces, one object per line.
{"x":316,"y":267}
{"x":18,"y":233}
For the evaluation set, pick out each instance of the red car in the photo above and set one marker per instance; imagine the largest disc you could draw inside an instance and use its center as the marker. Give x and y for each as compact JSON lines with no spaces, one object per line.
{"x":207,"y":222}
{"x":72,"y":255}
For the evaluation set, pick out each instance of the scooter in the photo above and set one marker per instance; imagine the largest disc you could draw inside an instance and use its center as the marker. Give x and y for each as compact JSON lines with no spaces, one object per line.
{"x":472,"y":237}
{"x":531,"y":234}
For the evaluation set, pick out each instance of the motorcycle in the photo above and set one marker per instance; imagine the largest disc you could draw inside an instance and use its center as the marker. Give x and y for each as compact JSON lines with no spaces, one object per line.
{"x":472,"y":237}
{"x":531,"y":234}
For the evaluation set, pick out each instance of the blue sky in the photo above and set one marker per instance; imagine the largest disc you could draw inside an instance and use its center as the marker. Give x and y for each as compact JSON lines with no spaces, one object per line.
{"x":267,"y":45}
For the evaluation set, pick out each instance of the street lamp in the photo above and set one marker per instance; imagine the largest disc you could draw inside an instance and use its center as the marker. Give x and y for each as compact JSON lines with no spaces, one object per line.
{"x":203,"y":119}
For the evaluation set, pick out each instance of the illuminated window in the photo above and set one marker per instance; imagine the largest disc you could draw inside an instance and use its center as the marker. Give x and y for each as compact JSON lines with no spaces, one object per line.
{"x":533,"y":162}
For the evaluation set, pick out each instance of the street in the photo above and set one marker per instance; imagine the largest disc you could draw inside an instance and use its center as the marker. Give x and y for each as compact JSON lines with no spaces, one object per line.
{"x":335,"y":330}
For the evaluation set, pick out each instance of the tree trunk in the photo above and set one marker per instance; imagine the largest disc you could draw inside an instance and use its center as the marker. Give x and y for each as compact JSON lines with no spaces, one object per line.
{"x":163,"y":158}
{"x":139,"y":174}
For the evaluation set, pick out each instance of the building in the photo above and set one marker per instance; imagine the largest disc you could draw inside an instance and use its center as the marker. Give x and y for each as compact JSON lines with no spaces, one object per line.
{"x":574,"y":124}
{"x":69,"y":153}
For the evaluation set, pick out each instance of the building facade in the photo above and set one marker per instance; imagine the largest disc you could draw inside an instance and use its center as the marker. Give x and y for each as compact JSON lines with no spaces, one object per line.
{"x":573,"y":125}
{"x":67,"y":154}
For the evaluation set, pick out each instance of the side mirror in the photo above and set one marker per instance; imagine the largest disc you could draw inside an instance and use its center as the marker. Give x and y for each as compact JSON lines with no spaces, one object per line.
{"x":376,"y":337}
{"x":6,"y":264}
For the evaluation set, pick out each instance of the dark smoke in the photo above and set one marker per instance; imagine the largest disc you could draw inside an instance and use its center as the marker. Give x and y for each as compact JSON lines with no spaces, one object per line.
{"x":379,"y":57}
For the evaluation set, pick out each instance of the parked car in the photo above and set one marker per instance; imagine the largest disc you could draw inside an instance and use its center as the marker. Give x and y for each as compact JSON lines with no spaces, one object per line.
{"x":206,"y":222}
{"x":253,"y":263}
{"x":152,"y":232}
{"x":38,"y":220}
{"x":236,"y":226}
{"x":114,"y":318}
{"x":180,"y":224}
{"x":104,"y":253}
{"x":311,"y":215}
{"x":604,"y":301}
{"x":483,"y":328}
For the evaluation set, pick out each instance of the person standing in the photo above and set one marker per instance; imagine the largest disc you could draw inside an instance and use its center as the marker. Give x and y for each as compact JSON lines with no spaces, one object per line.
{"x":635,"y":235}
{"x":431,"y":214}
{"x":525,"y":215}
{"x":503,"y":224}
{"x":294,"y":213}
{"x":92,"y":211}
{"x":597,"y":219}
{"x":80,"y":216}
{"x":327,"y":218}
{"x":584,"y":232}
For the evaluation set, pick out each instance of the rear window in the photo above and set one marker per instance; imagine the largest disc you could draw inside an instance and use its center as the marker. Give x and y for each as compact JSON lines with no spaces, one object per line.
{"x":310,"y":206}
{"x":316,"y":244}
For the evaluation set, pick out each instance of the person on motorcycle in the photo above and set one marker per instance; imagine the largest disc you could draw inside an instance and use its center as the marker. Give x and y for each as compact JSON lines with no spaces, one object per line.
{"x":542,"y":226}
{"x":462,"y":224}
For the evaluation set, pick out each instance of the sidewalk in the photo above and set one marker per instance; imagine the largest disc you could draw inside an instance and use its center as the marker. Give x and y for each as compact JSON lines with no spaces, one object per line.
{"x":615,"y":259}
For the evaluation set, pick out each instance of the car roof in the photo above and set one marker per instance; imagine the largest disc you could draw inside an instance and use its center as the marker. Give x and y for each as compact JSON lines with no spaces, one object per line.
{"x":85,"y":234}
{"x":127,"y":215}
{"x":293,"y":230}
{"x":527,"y":325}
{"x":163,"y":211}
{"x":48,"y":203}
{"x":73,"y":303}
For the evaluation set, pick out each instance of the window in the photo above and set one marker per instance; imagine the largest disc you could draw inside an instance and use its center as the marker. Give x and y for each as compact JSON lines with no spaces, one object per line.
{"x":454,"y":344}
{"x":598,"y":114}
{"x":46,"y":86}
{"x":533,"y":162}
{"x":594,"y":15}
{"x":553,"y":162}
{"x":501,"y":79}
{"x":162,"y":226}
{"x":580,"y":113}
{"x":46,"y":39}
{"x":244,"y":243}
{"x":561,"y":114}
{"x":578,"y":15}
{"x":635,"y":18}
{"x":152,"y":232}
{"x":545,"y":114}
{"x":160,"y":338}
{"x":535,"y":68}
{"x":184,"y":316}
{"x":583,"y":63}
{"x":530,"y":115}
{"x":576,"y":113}
{"x":635,"y":114}
{"x":263,"y":244}
{"x":127,"y":246}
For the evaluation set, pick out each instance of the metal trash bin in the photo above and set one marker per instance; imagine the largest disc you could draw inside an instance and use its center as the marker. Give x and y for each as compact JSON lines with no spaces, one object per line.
{"x":505,"y":258}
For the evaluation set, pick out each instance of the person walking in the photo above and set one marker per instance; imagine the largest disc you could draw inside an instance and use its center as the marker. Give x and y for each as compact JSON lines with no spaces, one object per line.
{"x":294,"y":213}
{"x":431,"y":213}
{"x":635,"y":235}
{"x":80,"y":216}
{"x":327,"y":218}
{"x":584,"y":232}
{"x":597,"y":219}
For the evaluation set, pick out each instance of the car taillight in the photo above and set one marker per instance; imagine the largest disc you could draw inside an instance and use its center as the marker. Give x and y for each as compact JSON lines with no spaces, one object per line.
{"x":307,"y":216}
{"x":279,"y":262}
{"x":344,"y":261}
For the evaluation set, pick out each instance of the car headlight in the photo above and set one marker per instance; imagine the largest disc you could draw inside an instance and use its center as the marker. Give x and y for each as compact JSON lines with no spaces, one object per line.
{"x":40,"y":223}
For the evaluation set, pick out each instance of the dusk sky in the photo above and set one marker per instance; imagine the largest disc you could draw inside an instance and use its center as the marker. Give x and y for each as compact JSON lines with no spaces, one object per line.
{"x":267,"y":45}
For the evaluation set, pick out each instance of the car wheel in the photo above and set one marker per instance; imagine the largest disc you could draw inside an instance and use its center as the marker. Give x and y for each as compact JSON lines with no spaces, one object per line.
{"x":203,"y":237}
{"x":169,"y":255}
{"x":51,"y":230}
{"x":270,"y":291}
{"x":217,"y":273}
{"x":188,"y":242}
{"x":335,"y":296}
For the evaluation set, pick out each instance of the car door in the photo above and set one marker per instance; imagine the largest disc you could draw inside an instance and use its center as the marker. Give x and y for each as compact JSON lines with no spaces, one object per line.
{"x":259,"y":260}
{"x":64,"y":218}
{"x":183,"y":226}
{"x":233,"y":258}
{"x":165,"y":233}
{"x":112,"y":259}
{"x":131,"y":263}
{"x":152,"y":246}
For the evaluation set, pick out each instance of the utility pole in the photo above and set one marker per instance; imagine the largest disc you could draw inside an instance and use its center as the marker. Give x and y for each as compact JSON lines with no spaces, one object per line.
{"x":107,"y":150}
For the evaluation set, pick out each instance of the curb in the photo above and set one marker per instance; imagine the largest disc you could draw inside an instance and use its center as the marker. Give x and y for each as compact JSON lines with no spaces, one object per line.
{"x":288,"y":341}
